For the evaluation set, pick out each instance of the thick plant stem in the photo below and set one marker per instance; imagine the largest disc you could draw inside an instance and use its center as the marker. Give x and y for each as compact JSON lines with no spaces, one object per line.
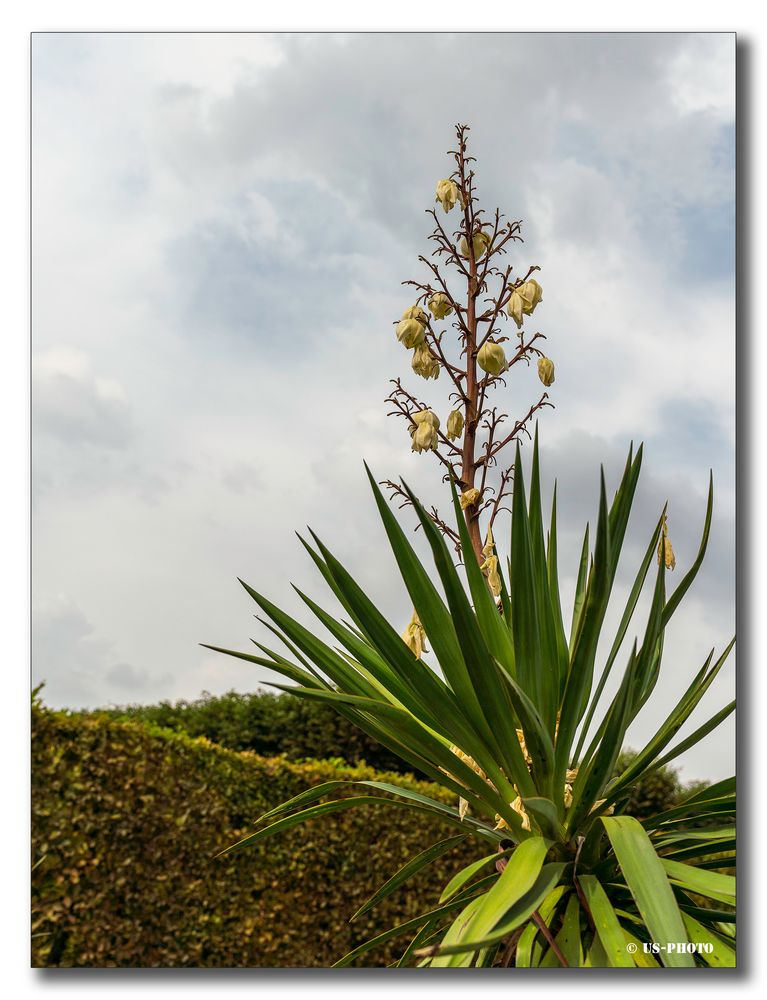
{"x":472,"y":247}
{"x":511,"y":948}
{"x":552,"y":943}
{"x":468,"y":462}
{"x":469,"y":468}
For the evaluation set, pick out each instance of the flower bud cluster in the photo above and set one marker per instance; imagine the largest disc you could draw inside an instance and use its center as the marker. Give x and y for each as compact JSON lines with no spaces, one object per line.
{"x":424,"y":363}
{"x":490,"y":565}
{"x":415,"y":333}
{"x":411,"y":329}
{"x":448,"y":193}
{"x":423,"y":431}
{"x":411,"y":333}
{"x":524,"y":298}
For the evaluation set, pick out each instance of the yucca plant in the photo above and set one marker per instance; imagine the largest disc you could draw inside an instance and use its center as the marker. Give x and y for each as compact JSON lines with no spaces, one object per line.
{"x":509,"y":718}
{"x":509,"y":721}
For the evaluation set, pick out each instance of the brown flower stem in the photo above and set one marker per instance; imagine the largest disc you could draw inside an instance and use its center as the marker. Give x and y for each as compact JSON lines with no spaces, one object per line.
{"x":506,"y":475}
{"x":584,"y":904}
{"x":552,"y":943}
{"x":447,"y":247}
{"x":511,"y":947}
{"x":470,"y":463}
{"x":456,"y":374}
{"x":491,"y":315}
{"x":415,"y":404}
{"x":518,"y":426}
{"x":444,"y":527}
{"x":459,"y":309}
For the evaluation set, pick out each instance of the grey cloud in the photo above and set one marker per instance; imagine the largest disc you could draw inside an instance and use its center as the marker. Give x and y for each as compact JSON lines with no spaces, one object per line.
{"x":704,"y":619}
{"x":259,"y":280}
{"x":87,"y":436}
{"x":243,"y":478}
{"x":379,"y":144}
{"x":77,"y":407}
{"x":127,"y":678}
{"x":79,"y":666}
{"x":76,"y":415}
{"x":706,"y":242}
{"x":576,"y":459}
{"x":61,"y":475}
{"x":60,"y":60}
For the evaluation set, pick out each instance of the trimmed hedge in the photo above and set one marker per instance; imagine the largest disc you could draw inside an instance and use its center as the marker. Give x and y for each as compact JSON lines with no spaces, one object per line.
{"x":128,"y":818}
{"x":656,"y":792}
{"x":269,"y":724}
{"x":302,"y":729}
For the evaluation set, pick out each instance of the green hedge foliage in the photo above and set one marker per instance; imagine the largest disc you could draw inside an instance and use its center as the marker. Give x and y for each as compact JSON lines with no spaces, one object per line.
{"x":660,"y":790}
{"x":301,"y":729}
{"x":127,"y":818}
{"x":269,"y":724}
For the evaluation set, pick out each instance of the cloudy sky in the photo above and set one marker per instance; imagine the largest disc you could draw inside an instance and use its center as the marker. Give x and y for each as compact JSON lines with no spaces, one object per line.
{"x":221,"y":224}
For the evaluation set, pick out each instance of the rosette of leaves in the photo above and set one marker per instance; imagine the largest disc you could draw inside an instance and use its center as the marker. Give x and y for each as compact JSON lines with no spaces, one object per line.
{"x":514,"y":702}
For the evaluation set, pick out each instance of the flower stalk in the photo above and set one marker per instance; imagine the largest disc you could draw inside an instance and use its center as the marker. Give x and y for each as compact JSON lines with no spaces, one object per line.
{"x":468,"y":285}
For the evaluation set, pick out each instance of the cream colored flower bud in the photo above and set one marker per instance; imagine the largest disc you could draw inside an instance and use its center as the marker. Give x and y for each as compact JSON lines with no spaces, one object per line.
{"x":480,"y":241}
{"x":490,"y":565}
{"x":531,"y":294}
{"x":523,"y":300}
{"x":410,"y":333}
{"x":439,"y":305}
{"x":516,"y":308}
{"x":491,"y":358}
{"x":415,"y":312}
{"x":493,"y":576}
{"x":664,"y":545}
{"x":469,"y":498}
{"x":425,"y":417}
{"x":455,"y":425}
{"x":414,"y":636}
{"x":424,"y":433}
{"x":424,"y":439}
{"x":424,"y":363}
{"x":489,"y":546}
{"x":447,"y":194}
{"x":546,"y":370}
